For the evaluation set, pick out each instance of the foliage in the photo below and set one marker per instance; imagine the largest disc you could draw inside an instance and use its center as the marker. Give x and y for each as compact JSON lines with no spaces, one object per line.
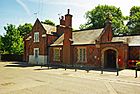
{"x":138,"y":64}
{"x":48,"y":22}
{"x":0,"y":42}
{"x":134,"y":20}
{"x":12,"y":41}
{"x":25,"y":29}
{"x":96,"y":18}
{"x":134,"y":10}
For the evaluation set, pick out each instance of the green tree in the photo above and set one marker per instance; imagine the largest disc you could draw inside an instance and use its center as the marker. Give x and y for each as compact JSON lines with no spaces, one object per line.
{"x":0,"y":42}
{"x":48,"y":22}
{"x":12,"y":41}
{"x":25,"y":29}
{"x":96,"y":18}
{"x":134,"y":20}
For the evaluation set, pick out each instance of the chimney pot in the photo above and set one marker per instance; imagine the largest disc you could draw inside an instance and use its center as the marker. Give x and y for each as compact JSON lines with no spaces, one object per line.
{"x":62,"y":17}
{"x":68,"y":11}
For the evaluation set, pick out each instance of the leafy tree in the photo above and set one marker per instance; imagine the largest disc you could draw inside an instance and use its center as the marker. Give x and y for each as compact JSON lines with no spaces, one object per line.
{"x":0,"y":42}
{"x":96,"y":18}
{"x":134,"y":10}
{"x":134,"y":20}
{"x":25,"y":29}
{"x":12,"y":41}
{"x":48,"y":22}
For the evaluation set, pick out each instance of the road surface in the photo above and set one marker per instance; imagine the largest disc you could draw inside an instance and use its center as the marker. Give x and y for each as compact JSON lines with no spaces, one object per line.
{"x":17,"y":79}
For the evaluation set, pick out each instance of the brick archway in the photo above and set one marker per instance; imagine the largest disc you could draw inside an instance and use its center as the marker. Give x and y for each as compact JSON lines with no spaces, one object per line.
{"x":103,"y":56}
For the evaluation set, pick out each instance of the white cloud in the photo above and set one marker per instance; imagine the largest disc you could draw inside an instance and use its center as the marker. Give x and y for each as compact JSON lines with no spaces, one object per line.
{"x":24,"y":6}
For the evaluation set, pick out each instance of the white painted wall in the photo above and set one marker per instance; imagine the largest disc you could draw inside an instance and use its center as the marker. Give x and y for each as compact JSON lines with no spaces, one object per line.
{"x":41,"y":60}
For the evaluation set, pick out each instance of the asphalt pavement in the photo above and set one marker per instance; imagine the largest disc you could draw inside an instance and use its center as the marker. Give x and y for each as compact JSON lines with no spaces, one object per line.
{"x":23,"y":79}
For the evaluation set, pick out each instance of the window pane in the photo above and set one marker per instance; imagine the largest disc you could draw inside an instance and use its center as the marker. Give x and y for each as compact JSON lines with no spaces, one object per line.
{"x":57,"y":54}
{"x":84,"y":54}
{"x":80,"y":54}
{"x":36,"y":37}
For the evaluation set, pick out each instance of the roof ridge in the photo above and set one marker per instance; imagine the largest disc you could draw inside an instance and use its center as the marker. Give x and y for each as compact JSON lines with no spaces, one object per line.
{"x":126,"y":35}
{"x":48,"y":25}
{"x":86,"y":29}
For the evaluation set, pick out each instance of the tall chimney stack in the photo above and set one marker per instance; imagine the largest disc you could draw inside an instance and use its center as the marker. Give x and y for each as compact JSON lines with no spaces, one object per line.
{"x":67,"y":49}
{"x":68,"y":19}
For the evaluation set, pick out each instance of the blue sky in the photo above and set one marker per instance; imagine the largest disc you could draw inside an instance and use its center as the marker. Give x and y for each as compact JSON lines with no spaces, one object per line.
{"x":23,"y":11}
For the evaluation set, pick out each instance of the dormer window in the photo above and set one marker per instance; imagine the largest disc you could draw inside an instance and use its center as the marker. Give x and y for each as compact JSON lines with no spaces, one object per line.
{"x":36,"y":36}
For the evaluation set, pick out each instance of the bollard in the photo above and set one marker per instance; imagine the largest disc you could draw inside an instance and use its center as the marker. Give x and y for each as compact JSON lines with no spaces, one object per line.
{"x":75,"y":68}
{"x":48,"y":66}
{"x":117,"y":72}
{"x":88,"y":71}
{"x":136,"y":75}
{"x":65,"y":67}
{"x":101,"y":69}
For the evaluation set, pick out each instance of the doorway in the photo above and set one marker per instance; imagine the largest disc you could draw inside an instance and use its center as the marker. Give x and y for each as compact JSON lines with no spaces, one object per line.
{"x":110,"y":58}
{"x":36,"y":55}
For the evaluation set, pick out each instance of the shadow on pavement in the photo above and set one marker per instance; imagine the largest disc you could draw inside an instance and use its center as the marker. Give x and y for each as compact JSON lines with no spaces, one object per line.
{"x":86,"y":68}
{"x":45,"y":67}
{"x":18,"y":64}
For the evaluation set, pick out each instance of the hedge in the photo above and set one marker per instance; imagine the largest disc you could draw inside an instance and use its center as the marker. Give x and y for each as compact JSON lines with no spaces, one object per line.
{"x":11,"y":57}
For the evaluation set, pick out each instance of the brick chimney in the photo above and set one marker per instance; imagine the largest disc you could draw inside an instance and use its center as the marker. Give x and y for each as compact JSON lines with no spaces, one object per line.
{"x":60,"y":28}
{"x":62,"y":21}
{"x":108,"y":27}
{"x":67,"y":50}
{"x":68,"y":19}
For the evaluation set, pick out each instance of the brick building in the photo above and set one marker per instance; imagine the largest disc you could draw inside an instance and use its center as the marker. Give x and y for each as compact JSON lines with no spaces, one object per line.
{"x":93,"y":47}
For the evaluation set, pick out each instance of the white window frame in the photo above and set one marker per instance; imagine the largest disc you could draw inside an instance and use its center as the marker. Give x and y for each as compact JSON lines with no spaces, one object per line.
{"x":56,"y":56}
{"x":36,"y":36}
{"x":82,"y":54}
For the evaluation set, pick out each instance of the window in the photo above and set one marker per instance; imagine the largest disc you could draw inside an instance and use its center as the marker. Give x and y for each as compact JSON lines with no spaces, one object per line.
{"x":36,"y":37}
{"x":82,"y":54}
{"x":56,"y":55}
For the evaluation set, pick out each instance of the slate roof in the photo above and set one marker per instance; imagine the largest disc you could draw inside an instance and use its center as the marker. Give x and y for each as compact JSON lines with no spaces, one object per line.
{"x":81,"y":37}
{"x":131,"y":40}
{"x":49,"y":29}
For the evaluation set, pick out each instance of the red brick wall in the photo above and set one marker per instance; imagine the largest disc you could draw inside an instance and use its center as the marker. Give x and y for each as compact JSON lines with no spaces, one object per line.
{"x":134,"y":53}
{"x":91,"y":52}
{"x":94,"y":54}
{"x":107,"y":34}
{"x":51,"y":39}
{"x":122,"y":52}
{"x":42,"y":44}
{"x":51,"y":53}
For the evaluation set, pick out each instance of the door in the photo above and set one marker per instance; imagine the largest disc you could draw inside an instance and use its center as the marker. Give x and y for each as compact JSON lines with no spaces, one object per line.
{"x":110,"y":58}
{"x":36,"y":55}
